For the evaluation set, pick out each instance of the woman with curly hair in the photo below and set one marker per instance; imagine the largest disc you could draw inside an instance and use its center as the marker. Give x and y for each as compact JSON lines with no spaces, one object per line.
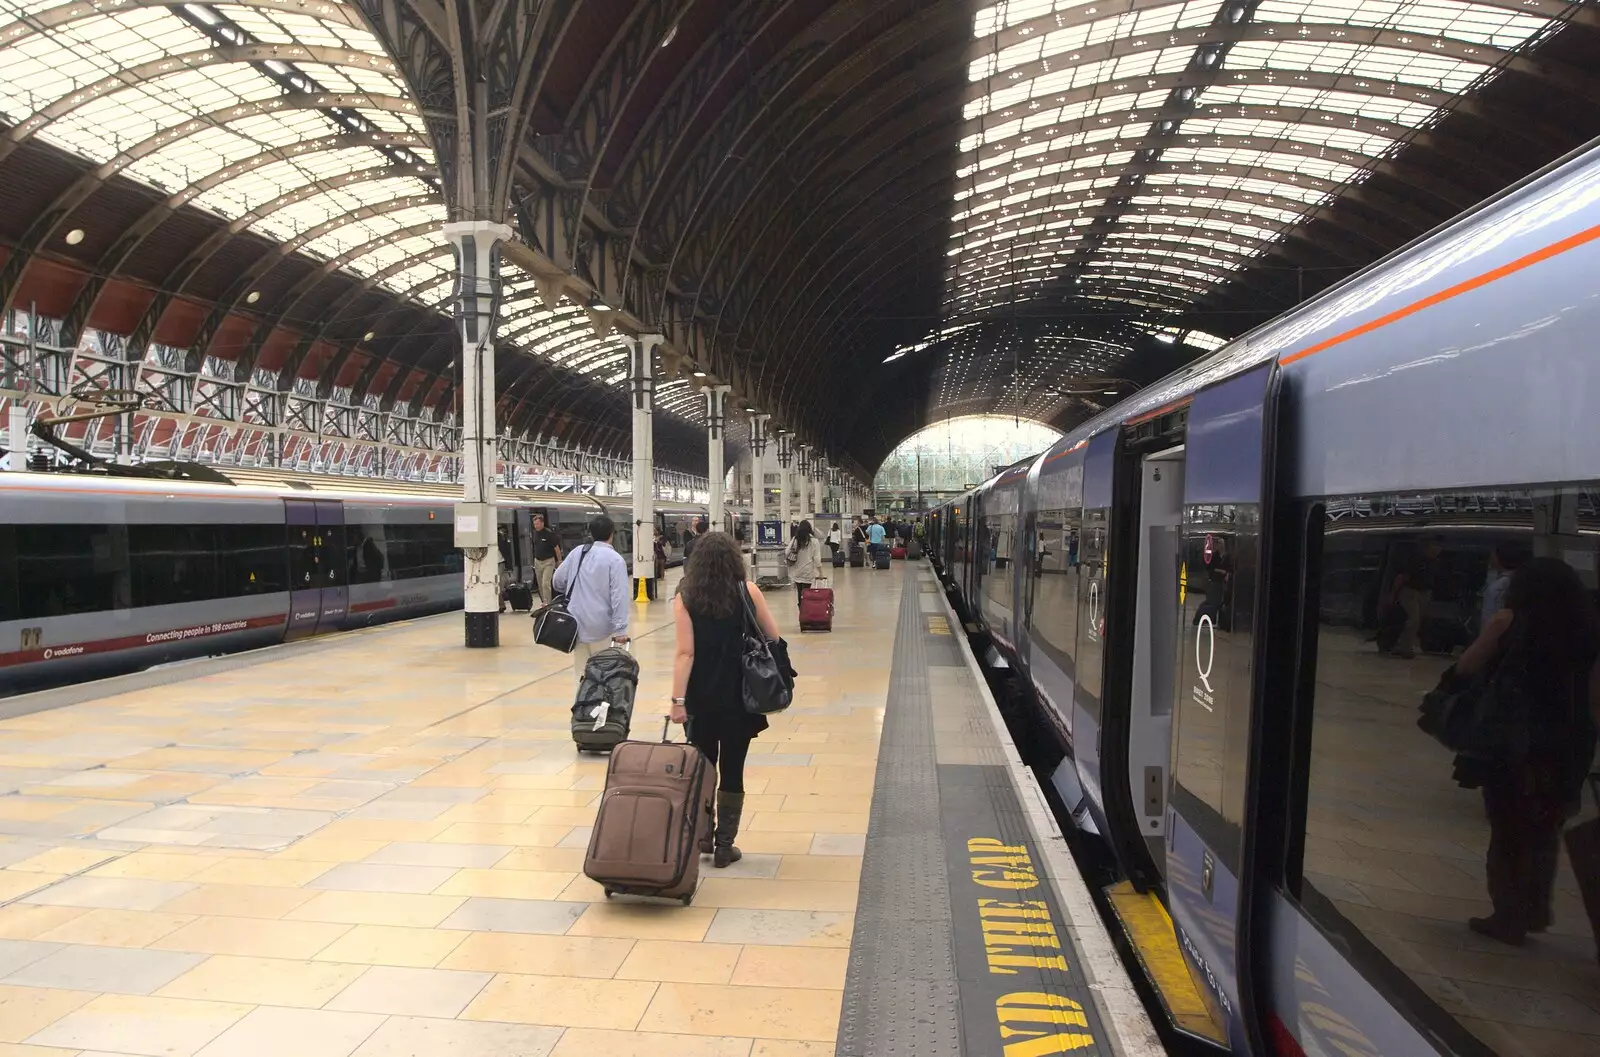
{"x":707,"y":679}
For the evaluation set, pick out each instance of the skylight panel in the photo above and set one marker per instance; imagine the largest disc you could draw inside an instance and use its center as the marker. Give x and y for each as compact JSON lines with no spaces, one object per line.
{"x":1478,"y":23}
{"x":1377,"y":104}
{"x":1448,"y":75}
{"x":1280,"y":160}
{"x":1344,"y":139}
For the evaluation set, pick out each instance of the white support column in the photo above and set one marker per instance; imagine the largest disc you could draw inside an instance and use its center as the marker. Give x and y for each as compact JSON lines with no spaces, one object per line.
{"x":785,"y":482}
{"x":716,"y":417}
{"x":17,"y":438}
{"x":477,"y":527}
{"x":758,"y":486}
{"x":802,"y":481}
{"x":642,"y":388}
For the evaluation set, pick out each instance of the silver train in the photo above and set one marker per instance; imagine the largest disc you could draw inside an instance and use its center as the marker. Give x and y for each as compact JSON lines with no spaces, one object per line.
{"x":1224,"y":598}
{"x":104,"y":575}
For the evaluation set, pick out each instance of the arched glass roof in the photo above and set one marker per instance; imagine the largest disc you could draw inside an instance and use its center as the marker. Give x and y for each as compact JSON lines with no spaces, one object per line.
{"x":954,"y":454}
{"x":283,"y":116}
{"x":1160,"y":144}
{"x":286,"y":118}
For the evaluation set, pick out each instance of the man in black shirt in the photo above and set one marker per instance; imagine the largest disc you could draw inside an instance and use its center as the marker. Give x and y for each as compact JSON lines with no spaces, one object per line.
{"x":694,"y":537}
{"x":546,"y":556}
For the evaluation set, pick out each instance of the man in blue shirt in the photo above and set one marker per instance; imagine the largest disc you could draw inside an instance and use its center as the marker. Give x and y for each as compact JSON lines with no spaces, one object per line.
{"x":874,"y":539}
{"x":594,"y":578}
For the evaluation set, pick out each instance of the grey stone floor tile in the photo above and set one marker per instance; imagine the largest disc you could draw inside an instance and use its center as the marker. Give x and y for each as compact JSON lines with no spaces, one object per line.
{"x":118,"y":970}
{"x":110,"y":893}
{"x":270,"y":1031}
{"x":422,"y":1037}
{"x":545,"y":916}
{"x":578,"y":838}
{"x":377,"y":877}
{"x":417,"y":992}
{"x":112,"y":1026}
{"x":402,"y":810}
{"x":15,"y":954}
{"x":839,"y":844}
{"x":777,"y":759}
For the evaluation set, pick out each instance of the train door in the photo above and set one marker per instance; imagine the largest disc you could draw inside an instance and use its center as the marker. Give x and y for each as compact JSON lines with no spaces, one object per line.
{"x":1093,"y":566}
{"x":1226,"y":502}
{"x":318,"y":591}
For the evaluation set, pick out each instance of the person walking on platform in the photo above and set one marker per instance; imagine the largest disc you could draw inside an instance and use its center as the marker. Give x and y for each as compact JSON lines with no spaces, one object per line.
{"x":805,"y":559}
{"x":595,"y":580}
{"x":875,"y":535}
{"x":546,"y":555}
{"x":696,"y":530}
{"x":708,"y":616}
{"x":835,"y":539}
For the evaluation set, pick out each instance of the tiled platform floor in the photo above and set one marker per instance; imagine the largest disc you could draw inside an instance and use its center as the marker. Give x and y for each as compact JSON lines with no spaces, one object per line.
{"x":375,"y":850}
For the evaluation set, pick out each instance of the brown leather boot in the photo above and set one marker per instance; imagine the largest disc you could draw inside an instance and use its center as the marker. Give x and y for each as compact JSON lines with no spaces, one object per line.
{"x":729,"y":807}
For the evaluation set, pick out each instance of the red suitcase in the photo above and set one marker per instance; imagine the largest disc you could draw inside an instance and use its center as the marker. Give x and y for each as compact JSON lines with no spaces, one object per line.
{"x":816,"y":608}
{"x":898,"y":553}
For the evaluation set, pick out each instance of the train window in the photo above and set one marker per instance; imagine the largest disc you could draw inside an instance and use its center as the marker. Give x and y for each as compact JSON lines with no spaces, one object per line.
{"x":424,"y":549}
{"x":1092,"y":559}
{"x":173,"y":564}
{"x":998,"y":544}
{"x":1059,"y":525}
{"x":251,"y":560}
{"x":1216,"y":601}
{"x":1445,"y":875}
{"x":66,"y":569}
{"x":366,"y":551}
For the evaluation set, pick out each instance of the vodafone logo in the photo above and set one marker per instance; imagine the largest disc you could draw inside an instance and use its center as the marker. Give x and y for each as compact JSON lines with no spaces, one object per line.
{"x":62,"y":651}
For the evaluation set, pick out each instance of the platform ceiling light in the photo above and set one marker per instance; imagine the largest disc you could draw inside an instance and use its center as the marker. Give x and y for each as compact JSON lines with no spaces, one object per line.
{"x":598,"y":303}
{"x":74,"y":236}
{"x":699,"y":374}
{"x":368,"y":336}
{"x":252,"y":297}
{"x":672,"y":35}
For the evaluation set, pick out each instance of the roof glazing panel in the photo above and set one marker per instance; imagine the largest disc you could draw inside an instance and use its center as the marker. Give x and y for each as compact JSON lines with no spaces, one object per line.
{"x":1208,"y":126}
{"x":278,"y":116}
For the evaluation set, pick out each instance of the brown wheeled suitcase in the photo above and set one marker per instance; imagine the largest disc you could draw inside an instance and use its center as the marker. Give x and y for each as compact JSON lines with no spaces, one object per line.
{"x":655,"y":809}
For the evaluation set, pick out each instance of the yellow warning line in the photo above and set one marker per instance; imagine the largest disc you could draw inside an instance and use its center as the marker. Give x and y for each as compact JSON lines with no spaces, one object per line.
{"x":1150,"y":930}
{"x":938,"y":625}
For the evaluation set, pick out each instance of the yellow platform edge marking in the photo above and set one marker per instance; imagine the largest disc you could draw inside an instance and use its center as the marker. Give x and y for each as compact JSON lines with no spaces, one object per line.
{"x":1150,"y":930}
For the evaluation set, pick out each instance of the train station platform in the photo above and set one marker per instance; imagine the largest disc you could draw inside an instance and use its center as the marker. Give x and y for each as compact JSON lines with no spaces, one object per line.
{"x":371,"y":845}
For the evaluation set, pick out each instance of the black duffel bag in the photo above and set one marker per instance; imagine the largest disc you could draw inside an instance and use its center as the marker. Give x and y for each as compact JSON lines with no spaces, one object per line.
{"x":553,"y":626}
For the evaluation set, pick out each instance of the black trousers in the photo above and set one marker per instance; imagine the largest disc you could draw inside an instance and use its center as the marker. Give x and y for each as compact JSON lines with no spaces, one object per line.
{"x":799,"y":592}
{"x":1524,"y":847}
{"x":727,"y":755}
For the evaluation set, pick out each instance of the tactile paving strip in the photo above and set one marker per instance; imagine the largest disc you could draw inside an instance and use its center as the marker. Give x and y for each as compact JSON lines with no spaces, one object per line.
{"x":901,"y":995}
{"x":916,"y":964}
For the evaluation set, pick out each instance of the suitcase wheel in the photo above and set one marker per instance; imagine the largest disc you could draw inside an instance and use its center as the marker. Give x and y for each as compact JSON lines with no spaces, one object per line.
{"x":609,"y":893}
{"x":686,"y":898}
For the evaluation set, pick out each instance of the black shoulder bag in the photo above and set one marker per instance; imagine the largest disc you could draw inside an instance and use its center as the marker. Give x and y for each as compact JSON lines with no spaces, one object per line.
{"x":768,"y":679}
{"x":553,"y":626}
{"x":1485,"y":717}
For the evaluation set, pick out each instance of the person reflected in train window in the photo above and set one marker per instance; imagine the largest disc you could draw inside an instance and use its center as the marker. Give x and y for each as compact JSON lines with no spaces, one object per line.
{"x":1503,"y":561}
{"x":1412,"y":590}
{"x":372,"y":558}
{"x":1545,"y":642}
{"x":546,"y":555}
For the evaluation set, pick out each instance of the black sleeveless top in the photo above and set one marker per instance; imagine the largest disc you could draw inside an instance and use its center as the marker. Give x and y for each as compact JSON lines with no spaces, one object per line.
{"x":714,"y":698}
